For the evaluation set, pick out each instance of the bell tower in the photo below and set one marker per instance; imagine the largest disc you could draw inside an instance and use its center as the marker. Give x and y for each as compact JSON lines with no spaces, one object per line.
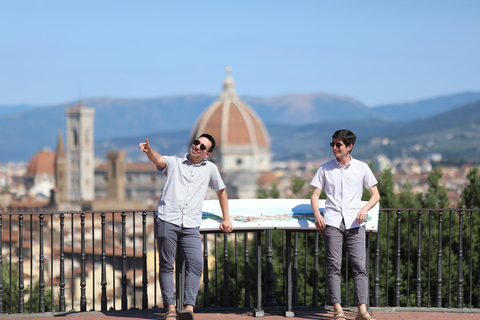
{"x":80,"y":154}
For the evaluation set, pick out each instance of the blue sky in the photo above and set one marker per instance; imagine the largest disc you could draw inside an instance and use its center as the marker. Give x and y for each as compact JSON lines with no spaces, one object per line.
{"x":378,"y":52}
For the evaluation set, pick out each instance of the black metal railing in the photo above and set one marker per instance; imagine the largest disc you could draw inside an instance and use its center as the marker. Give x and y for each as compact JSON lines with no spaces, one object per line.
{"x":71,"y":261}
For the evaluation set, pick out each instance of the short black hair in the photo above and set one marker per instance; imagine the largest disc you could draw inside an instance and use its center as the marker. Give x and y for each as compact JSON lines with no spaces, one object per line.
{"x":347,"y":136}
{"x":209,"y":137}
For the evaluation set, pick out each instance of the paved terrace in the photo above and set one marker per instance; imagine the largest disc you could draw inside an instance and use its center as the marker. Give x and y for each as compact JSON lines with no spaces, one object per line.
{"x":380,"y":314}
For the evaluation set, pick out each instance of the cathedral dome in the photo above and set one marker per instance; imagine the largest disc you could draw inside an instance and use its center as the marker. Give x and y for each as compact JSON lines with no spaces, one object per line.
{"x":231,"y":122}
{"x":43,"y":162}
{"x":242,"y":151}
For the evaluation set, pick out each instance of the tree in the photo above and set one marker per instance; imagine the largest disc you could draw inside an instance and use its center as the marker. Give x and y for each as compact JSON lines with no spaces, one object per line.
{"x":10,"y":288}
{"x":436,"y":195}
{"x":274,"y":192}
{"x":297,"y":185}
{"x":386,"y":189}
{"x":11,"y":294}
{"x":470,"y":196}
{"x":262,"y":193}
{"x":408,"y":199}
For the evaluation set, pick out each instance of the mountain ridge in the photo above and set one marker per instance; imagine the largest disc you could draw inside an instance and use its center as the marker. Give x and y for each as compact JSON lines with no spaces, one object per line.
{"x":117,"y":119}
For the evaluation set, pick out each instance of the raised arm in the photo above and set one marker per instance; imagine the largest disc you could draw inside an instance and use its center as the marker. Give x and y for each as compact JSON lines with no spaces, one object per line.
{"x":153,"y":155}
{"x":226,"y":225}
{"x":319,"y":221}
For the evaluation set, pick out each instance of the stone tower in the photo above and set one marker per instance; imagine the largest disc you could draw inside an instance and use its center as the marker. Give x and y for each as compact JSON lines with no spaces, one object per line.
{"x":61,"y":171}
{"x":116,"y":175}
{"x":80,"y":154}
{"x":242,"y":153}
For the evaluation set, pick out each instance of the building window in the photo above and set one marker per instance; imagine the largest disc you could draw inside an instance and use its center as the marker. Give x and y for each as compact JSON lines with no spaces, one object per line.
{"x":75,"y":137}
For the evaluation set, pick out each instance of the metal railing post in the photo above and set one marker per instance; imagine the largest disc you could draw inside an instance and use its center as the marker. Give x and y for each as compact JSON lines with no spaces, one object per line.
{"x":246,"y":271}
{"x":269,"y":274}
{"x":460,"y":261}
{"x":21,"y":286}
{"x":258,"y":312}
{"x":104,"y":266}
{"x":41,"y":300}
{"x":124,"y":264}
{"x":83,"y":283}
{"x":418,"y":293}
{"x":206,"y":279}
{"x":439,"y":261}
{"x":226,"y":276}
{"x":144,"y":261}
{"x":396,"y":302}
{"x":1,"y":264}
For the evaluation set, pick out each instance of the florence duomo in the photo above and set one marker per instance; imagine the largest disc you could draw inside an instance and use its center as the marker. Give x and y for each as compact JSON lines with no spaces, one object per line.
{"x":242,"y":154}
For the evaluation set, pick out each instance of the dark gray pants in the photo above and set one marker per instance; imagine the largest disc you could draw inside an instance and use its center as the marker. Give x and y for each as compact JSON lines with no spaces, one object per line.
{"x":355,"y":241}
{"x":168,"y":236}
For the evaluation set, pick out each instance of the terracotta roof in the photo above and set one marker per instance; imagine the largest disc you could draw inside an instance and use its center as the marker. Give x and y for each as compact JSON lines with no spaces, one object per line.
{"x":29,"y":204}
{"x":131,"y":167}
{"x":267,"y":178}
{"x":43,"y":162}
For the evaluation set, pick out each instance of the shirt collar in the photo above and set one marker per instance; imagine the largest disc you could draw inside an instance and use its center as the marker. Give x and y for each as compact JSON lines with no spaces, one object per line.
{"x":341,"y":165}
{"x":185,"y":159}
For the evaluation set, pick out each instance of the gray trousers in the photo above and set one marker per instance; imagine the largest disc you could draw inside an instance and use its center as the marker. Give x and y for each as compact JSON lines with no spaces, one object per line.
{"x":168,"y":236}
{"x":355,"y":241}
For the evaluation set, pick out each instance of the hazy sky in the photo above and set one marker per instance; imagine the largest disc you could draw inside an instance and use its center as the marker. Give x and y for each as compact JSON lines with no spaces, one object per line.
{"x":375,"y":51}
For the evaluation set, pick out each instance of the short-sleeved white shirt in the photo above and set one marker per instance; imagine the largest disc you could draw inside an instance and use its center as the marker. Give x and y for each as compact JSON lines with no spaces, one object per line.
{"x":343,"y":186}
{"x":185,"y":189}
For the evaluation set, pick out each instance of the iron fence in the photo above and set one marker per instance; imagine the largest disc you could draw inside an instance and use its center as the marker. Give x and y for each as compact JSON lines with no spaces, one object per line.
{"x":80,"y":261}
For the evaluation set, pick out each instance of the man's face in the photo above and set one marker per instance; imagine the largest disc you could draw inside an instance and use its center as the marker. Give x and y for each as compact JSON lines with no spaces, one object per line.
{"x":200,"y":150}
{"x":339,"y":149}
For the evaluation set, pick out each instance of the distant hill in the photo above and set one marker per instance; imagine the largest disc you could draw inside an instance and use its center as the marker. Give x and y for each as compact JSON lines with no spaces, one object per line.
{"x":424,"y":108}
{"x":8,"y":110}
{"x":302,"y":109}
{"x":301,"y":121}
{"x":454,"y":133}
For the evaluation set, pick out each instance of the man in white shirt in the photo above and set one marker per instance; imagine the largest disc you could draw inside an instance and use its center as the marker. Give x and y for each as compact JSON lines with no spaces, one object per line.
{"x":344,"y":218}
{"x":179,"y":215}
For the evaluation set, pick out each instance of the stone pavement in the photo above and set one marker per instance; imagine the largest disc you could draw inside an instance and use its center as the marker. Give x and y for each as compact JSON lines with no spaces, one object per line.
{"x":380,"y":314}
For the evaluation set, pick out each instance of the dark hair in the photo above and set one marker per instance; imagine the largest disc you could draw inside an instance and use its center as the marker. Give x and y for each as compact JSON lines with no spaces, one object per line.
{"x":347,"y":136}
{"x":209,"y":137}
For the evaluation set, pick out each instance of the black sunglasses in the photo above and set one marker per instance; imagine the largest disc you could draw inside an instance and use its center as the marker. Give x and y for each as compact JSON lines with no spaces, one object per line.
{"x":338,"y":144}
{"x":202,"y":146}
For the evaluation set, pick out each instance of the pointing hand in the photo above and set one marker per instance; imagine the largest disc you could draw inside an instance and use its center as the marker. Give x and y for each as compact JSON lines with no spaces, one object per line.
{"x":144,"y":146}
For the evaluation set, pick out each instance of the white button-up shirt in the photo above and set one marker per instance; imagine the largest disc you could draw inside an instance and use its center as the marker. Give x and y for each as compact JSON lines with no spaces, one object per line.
{"x":185,"y":189}
{"x":343,"y":186}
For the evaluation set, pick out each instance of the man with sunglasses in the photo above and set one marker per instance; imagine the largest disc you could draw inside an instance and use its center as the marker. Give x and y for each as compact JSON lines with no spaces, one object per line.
{"x":179,"y":215}
{"x":343,"y":220}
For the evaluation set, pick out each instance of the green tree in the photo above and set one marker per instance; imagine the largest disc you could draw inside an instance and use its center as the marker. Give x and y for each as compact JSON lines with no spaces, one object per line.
{"x":34,"y":300}
{"x":11,"y":293}
{"x":297,"y":184}
{"x":262,"y":193}
{"x":10,"y":288}
{"x":436,"y":195}
{"x":408,"y":199}
{"x":274,"y":193}
{"x":388,"y":197}
{"x":470,"y":196}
